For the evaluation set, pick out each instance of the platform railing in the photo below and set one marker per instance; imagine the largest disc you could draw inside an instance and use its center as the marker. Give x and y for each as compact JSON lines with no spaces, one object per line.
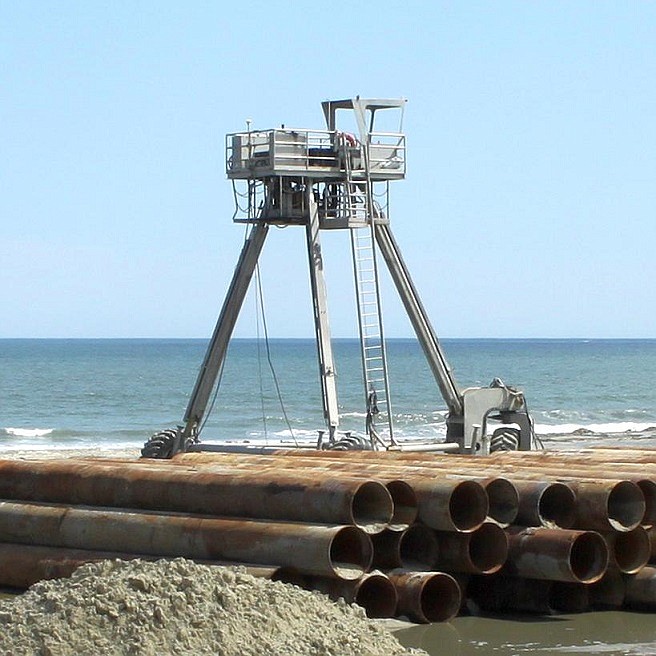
{"x":311,"y":153}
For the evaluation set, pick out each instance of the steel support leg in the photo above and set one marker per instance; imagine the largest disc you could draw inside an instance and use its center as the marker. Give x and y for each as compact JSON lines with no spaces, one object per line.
{"x":321,"y":324}
{"x":419,"y":319}
{"x":218,"y":345}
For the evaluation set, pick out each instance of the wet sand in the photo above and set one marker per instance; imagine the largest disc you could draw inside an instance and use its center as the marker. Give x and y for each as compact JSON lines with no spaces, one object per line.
{"x":53,"y":454}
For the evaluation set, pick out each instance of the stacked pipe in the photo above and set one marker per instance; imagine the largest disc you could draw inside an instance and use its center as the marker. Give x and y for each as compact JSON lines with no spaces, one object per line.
{"x":290,"y":525}
{"x":415,"y":535}
{"x":578,"y":539}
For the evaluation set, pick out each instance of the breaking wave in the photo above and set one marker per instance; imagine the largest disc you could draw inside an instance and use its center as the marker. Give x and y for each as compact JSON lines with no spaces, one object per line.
{"x":29,"y":432}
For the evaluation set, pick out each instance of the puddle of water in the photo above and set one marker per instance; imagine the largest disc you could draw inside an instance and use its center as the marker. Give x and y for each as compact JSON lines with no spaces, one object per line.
{"x":610,"y":633}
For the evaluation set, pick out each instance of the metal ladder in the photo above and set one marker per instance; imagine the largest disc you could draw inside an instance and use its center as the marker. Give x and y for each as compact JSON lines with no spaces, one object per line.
{"x":370,"y":320}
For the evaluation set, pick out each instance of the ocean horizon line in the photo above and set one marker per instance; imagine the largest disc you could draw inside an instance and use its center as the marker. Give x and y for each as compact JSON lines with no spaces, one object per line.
{"x":334,"y":338}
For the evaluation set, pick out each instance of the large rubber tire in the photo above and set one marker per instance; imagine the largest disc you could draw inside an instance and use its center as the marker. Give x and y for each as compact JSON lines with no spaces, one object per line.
{"x":161,"y":445}
{"x":349,"y":443}
{"x":504,"y":439}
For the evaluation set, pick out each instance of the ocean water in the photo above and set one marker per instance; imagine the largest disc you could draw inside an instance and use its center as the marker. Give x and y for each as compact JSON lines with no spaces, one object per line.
{"x":117,"y":392}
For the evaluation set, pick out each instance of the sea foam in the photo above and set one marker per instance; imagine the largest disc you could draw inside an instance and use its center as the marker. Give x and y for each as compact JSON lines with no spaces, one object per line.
{"x":613,"y":427}
{"x":29,"y":432}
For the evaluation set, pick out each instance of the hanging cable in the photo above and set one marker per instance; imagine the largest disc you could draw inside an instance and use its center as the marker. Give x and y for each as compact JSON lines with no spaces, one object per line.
{"x":211,"y":405}
{"x":268,"y":352}
{"x":259,"y":356}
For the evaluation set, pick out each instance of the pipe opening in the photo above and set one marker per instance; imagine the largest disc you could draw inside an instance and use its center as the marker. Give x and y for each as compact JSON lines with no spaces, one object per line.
{"x":418,"y":548}
{"x":648,"y":489}
{"x":405,"y":505}
{"x":626,"y":506}
{"x":503,"y":501}
{"x":440,"y":598}
{"x":488,"y":548}
{"x":377,"y":595}
{"x":631,"y":550}
{"x":557,"y":506}
{"x":372,"y":507}
{"x":468,"y":505}
{"x":568,"y":597}
{"x":588,"y":557}
{"x":351,"y":553}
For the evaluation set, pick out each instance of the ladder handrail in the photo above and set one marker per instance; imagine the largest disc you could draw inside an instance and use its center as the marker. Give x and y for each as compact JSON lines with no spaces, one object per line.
{"x":370,"y":320}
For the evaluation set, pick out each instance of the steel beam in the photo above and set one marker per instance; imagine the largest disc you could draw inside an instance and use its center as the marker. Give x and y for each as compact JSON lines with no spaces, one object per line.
{"x":218,"y":346}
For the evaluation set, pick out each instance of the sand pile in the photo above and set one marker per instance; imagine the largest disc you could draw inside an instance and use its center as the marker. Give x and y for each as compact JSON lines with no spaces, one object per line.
{"x":180,"y":607}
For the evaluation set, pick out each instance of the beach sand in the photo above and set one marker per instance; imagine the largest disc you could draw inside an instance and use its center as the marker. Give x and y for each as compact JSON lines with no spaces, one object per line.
{"x":555,"y":442}
{"x":54,"y":454}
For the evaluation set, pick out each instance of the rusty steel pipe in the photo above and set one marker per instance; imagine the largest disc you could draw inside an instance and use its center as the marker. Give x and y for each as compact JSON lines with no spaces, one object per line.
{"x":22,"y":565}
{"x":426,"y":596}
{"x":502,"y":495}
{"x":562,"y":464}
{"x":277,"y":496}
{"x":414,"y":548}
{"x":452,"y":505}
{"x":404,"y":503}
{"x":401,"y":492}
{"x":562,"y":460}
{"x":570,"y":597}
{"x":373,"y":591}
{"x":607,"y":454}
{"x":342,"y":551}
{"x":499,"y":594}
{"x":600,"y":505}
{"x":545,"y":503}
{"x":556,"y":554}
{"x":608,"y":592}
{"x":629,"y":551}
{"x":609,"y":505}
{"x":640,"y":589}
{"x":503,"y":500}
{"x":404,"y":497}
{"x":483,"y":551}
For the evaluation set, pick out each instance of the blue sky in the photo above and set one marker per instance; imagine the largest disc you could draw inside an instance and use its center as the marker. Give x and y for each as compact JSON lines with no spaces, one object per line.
{"x":528,"y":210}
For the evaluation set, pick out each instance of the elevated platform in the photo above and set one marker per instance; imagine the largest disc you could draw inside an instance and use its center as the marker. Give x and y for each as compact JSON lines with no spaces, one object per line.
{"x":320,"y":155}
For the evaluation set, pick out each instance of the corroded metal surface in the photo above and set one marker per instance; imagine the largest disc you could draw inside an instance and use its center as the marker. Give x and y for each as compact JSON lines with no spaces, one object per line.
{"x":629,"y":551}
{"x":343,"y":551}
{"x":431,"y":520}
{"x":483,"y":551}
{"x":426,"y":596}
{"x":501,"y":593}
{"x":374,"y":592}
{"x":296,"y":496}
{"x":445,"y":504}
{"x":414,"y":548}
{"x":557,"y":554}
{"x":640,"y":591}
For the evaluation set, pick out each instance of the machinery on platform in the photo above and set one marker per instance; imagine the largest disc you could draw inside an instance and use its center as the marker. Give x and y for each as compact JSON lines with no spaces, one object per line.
{"x":335,"y":180}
